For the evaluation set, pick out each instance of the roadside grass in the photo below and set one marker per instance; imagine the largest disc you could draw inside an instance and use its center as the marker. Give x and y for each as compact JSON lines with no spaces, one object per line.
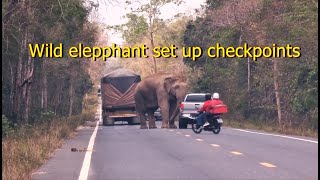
{"x":28,"y":147}
{"x":271,"y":127}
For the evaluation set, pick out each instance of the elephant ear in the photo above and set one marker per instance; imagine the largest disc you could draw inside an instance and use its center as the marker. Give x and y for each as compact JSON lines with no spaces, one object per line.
{"x":169,"y":85}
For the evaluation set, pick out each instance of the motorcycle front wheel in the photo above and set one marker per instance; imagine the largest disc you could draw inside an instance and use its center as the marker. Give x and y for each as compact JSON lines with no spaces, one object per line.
{"x":194,"y":127}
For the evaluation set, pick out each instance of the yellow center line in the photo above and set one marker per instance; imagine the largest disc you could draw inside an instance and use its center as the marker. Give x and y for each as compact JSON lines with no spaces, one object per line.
{"x":236,"y":153}
{"x":268,"y":165}
{"x":215,"y":145}
{"x":199,"y":139}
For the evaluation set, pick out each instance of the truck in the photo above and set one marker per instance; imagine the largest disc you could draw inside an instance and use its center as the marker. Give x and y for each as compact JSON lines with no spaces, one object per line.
{"x":192,"y":102}
{"x":117,"y":97}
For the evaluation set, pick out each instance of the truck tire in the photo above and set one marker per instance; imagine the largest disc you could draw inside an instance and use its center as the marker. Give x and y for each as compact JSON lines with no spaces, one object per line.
{"x":108,"y":121}
{"x":134,"y":121}
{"x":183,"y":123}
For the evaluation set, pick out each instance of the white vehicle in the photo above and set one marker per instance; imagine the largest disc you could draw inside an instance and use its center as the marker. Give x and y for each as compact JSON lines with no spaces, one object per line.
{"x":189,"y":107}
{"x":157,"y":115}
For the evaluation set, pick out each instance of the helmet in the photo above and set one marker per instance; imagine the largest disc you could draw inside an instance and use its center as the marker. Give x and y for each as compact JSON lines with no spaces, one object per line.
{"x":215,"y":96}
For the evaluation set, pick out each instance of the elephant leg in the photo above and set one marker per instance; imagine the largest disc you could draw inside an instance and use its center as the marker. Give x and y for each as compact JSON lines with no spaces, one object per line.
{"x":152,"y":122}
{"x":164,"y":106}
{"x":143,"y":123}
{"x":172,"y":114}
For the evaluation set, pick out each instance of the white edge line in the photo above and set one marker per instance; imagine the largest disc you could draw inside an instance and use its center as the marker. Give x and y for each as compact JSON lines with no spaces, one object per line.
{"x":87,"y":158}
{"x":289,"y":137}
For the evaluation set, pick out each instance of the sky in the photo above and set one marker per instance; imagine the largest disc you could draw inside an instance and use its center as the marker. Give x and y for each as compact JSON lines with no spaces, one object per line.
{"x":110,"y":12}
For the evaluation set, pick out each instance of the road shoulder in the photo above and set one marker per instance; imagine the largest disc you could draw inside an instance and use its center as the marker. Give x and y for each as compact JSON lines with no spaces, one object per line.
{"x":66,"y":164}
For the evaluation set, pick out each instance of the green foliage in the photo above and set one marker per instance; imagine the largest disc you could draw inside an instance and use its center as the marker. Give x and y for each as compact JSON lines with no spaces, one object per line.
{"x":46,"y":22}
{"x":6,"y":126}
{"x":280,"y":22}
{"x":215,"y":4}
{"x":48,"y":115}
{"x":144,"y":20}
{"x":135,"y":29}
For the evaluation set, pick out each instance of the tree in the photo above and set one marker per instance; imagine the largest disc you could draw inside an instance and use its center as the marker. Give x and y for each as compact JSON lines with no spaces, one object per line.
{"x":282,"y":91}
{"x":169,"y":33}
{"x":145,"y":21}
{"x":32,"y":86}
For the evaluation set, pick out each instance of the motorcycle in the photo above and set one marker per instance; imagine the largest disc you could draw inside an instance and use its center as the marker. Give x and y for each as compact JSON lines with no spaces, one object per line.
{"x":214,"y":120}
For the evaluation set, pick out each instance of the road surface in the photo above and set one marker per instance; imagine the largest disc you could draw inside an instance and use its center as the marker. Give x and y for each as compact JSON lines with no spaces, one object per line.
{"x":126,"y":152}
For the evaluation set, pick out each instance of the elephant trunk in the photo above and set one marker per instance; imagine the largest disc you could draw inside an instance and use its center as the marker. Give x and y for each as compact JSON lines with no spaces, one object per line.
{"x":175,"y":113}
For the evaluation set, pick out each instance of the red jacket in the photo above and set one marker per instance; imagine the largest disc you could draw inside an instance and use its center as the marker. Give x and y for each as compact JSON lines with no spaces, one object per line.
{"x":210,"y":103}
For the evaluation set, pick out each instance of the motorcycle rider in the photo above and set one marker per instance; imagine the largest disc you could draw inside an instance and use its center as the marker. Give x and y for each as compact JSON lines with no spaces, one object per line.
{"x":201,"y":119}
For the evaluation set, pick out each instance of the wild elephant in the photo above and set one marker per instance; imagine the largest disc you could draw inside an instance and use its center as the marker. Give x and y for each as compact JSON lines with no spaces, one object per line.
{"x":162,"y":90}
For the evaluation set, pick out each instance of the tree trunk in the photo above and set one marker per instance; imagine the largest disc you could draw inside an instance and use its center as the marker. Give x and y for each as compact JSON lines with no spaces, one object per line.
{"x":45,"y":98}
{"x":10,"y":11}
{"x":17,"y":88}
{"x":152,"y":43}
{"x":247,"y":114}
{"x":276,"y":89}
{"x":44,"y":89}
{"x":154,"y":59}
{"x":71,"y":98}
{"x":56,"y":99}
{"x":28,"y":87}
{"x":11,"y":88}
{"x":27,"y":81}
{"x":28,"y":68}
{"x":58,"y":96}
{"x":41,"y":103}
{"x":42,"y":86}
{"x":84,"y":101}
{"x":248,"y":78}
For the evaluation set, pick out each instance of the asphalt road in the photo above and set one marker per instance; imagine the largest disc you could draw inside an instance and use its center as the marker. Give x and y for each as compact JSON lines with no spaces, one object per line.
{"x":126,"y":152}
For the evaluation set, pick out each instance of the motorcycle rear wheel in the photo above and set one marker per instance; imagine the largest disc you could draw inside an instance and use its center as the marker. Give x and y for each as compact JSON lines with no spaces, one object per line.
{"x":194,"y":127}
{"x":216,"y":129}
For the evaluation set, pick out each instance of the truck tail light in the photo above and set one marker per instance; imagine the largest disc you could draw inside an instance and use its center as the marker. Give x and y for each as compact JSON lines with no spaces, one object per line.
{"x":181,"y":106}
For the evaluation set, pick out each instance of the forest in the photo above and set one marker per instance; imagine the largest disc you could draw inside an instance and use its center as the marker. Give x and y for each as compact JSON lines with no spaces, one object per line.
{"x":44,"y":99}
{"x":50,"y":97}
{"x":280,"y":92}
{"x":32,"y":87}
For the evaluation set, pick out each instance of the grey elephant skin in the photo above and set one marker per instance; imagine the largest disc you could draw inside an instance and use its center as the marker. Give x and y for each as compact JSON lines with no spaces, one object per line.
{"x":162,"y":90}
